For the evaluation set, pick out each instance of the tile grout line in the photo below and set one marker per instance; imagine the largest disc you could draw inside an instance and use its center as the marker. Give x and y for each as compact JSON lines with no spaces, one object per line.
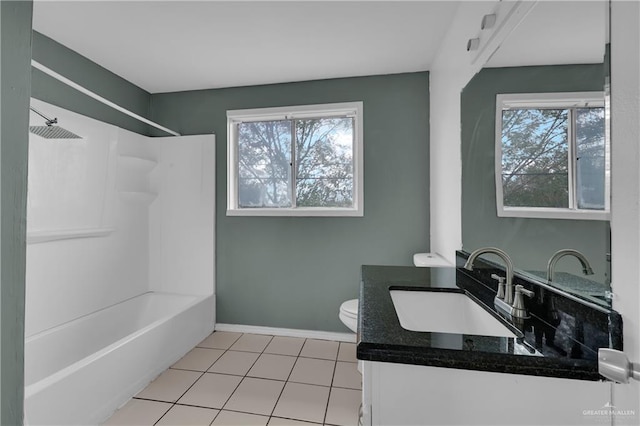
{"x":236,"y":388}
{"x":345,"y":387}
{"x":174,"y":403}
{"x":221,"y":355}
{"x":245,"y":376}
{"x":309,"y":384}
{"x":205,"y":372}
{"x":237,"y":411}
{"x":262,"y":378}
{"x":165,"y":413}
{"x":153,"y":400}
{"x":226,"y":350}
{"x":297,"y":420}
{"x":287,"y":381}
{"x":326,"y":410}
{"x":326,"y":359}
{"x":202,"y":373}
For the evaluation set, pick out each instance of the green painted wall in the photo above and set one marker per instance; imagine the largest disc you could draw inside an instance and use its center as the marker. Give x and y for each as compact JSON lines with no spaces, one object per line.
{"x":92,"y":76}
{"x":530,"y":242}
{"x":15,"y":56}
{"x":295,"y":272}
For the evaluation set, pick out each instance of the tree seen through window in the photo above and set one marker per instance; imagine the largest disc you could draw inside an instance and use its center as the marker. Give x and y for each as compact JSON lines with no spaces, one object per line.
{"x":320,"y":175}
{"x":536,"y":147}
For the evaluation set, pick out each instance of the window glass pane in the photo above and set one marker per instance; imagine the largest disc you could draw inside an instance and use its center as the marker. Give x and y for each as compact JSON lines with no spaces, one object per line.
{"x":535,"y":157}
{"x":324,"y":160}
{"x":264,"y":158}
{"x":590,"y":152}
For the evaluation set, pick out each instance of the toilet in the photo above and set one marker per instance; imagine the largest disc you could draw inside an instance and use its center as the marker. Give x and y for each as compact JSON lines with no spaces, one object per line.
{"x":349,"y":309}
{"x":349,"y":314}
{"x":349,"y":317}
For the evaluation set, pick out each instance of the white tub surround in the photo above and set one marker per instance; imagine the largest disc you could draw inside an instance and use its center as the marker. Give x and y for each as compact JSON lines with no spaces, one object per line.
{"x":121,"y":284}
{"x":182,"y":218}
{"x":78,"y":373}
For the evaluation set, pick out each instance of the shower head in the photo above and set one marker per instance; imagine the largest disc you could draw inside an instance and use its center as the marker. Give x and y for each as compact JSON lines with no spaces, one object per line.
{"x":49,"y":131}
{"x":53,"y":132}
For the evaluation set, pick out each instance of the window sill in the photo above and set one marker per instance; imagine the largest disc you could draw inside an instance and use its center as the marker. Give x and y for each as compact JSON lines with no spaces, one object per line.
{"x":551,"y":213}
{"x":297,"y":212}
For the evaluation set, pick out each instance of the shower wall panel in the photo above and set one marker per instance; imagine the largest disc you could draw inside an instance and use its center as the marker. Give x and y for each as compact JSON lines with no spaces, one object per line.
{"x":87,"y":246}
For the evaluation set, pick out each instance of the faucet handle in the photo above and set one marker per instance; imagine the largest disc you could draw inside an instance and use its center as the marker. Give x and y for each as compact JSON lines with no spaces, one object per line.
{"x":518,"y":303}
{"x":500,"y":280}
{"x":522,"y":290}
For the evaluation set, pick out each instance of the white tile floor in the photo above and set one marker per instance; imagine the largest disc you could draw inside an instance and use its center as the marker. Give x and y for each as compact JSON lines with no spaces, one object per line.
{"x":250,"y":379}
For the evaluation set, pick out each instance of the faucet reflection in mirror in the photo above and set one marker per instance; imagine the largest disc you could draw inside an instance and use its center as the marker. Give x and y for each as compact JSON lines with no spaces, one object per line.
{"x":586,"y":267}
{"x":526,"y":64}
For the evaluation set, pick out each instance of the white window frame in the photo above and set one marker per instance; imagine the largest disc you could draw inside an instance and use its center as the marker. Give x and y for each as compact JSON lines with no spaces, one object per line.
{"x":348,"y":109}
{"x":550,"y":100}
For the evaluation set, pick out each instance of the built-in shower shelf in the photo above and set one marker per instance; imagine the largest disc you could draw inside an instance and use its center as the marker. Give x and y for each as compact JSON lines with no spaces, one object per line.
{"x":35,"y":237}
{"x":138,"y":196}
{"x":143,"y":165}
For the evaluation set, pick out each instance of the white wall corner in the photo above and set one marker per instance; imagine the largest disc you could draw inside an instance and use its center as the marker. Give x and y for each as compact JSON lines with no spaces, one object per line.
{"x":625,"y":190}
{"x":451,"y":70}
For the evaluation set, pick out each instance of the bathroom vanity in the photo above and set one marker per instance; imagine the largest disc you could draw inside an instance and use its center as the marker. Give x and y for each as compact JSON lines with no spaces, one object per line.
{"x":438,"y":368}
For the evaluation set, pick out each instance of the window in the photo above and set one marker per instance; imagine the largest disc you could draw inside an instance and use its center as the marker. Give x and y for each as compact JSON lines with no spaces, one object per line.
{"x":295,"y":161}
{"x":552,"y":156}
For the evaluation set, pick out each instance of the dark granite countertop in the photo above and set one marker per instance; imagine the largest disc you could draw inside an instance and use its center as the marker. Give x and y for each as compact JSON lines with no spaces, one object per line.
{"x":382,"y":338}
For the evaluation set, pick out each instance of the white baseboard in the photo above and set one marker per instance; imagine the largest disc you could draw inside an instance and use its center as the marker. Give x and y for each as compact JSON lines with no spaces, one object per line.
{"x":288,"y":332}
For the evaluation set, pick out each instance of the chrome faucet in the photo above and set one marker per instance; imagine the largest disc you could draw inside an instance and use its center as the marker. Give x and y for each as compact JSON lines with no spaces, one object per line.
{"x":504,"y":300}
{"x":508,"y":295}
{"x":586,"y":267}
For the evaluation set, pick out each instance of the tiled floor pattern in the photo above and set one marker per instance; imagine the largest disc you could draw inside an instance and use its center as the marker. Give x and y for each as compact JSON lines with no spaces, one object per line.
{"x":250,"y":379}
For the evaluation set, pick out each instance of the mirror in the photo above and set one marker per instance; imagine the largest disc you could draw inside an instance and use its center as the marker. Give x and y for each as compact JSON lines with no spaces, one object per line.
{"x":558,"y":47}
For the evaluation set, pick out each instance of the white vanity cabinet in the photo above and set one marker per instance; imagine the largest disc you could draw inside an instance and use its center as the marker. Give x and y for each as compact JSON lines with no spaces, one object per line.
{"x":404,"y":394}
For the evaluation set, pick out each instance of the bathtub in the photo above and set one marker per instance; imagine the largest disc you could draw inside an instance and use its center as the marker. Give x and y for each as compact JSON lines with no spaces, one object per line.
{"x":80,"y":372}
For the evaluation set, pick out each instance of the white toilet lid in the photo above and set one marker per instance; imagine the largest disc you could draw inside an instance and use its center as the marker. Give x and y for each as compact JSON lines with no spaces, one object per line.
{"x":350,"y":308}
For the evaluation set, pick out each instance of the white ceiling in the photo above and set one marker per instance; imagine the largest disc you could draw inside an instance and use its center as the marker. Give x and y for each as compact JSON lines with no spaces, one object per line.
{"x":166,"y":46}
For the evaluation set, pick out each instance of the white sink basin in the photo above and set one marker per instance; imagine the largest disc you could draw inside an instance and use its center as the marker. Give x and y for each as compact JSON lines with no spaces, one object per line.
{"x":443,"y":312}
